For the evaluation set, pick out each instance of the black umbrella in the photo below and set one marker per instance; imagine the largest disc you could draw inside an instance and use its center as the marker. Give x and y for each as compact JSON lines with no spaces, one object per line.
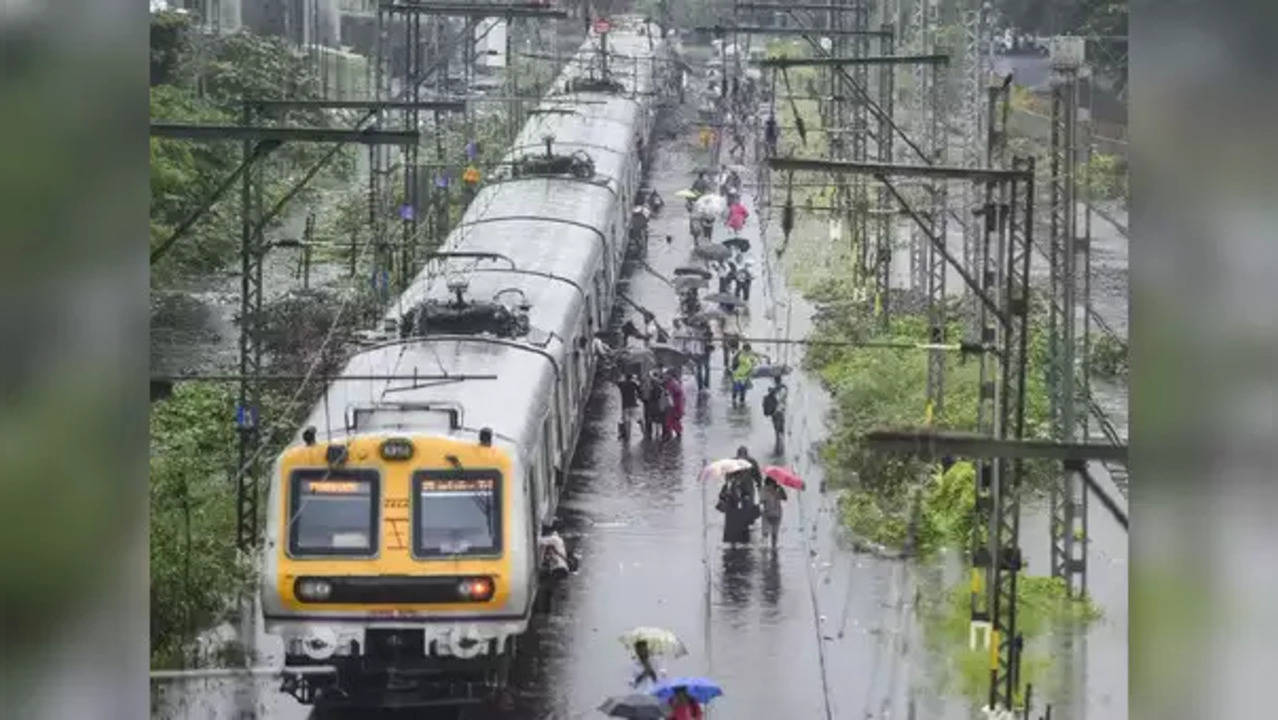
{"x":635,"y":707}
{"x":739,"y":243}
{"x":640,"y":355}
{"x":690,"y":282}
{"x":768,"y":371}
{"x":713,"y":252}
{"x":689,"y":270}
{"x":668,"y":355}
{"x":723,"y":299}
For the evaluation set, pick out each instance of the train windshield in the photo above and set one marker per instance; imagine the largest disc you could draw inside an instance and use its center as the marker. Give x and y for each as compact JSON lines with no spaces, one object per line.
{"x":333,"y":514}
{"x":457,"y":512}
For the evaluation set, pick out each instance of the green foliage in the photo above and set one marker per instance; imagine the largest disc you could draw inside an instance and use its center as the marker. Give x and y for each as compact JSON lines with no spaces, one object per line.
{"x":874,"y":388}
{"x":1043,"y":606}
{"x":170,"y":46}
{"x":184,"y":174}
{"x":1106,"y":177}
{"x":195,"y":568}
{"x":1109,"y":356}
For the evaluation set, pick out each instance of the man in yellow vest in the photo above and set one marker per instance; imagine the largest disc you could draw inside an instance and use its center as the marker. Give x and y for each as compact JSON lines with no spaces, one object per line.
{"x":470,"y":182}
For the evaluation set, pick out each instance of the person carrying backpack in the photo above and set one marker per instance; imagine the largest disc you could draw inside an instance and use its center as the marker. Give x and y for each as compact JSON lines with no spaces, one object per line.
{"x":774,"y":407}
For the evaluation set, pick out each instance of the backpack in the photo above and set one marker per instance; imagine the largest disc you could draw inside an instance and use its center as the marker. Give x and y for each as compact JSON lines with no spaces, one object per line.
{"x":769,"y":403}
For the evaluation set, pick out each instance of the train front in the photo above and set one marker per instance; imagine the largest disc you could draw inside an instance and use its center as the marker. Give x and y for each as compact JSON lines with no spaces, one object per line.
{"x":398,"y":560}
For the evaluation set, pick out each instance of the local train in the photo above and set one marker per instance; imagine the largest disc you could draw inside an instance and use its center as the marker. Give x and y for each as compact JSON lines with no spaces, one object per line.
{"x":402,"y":522}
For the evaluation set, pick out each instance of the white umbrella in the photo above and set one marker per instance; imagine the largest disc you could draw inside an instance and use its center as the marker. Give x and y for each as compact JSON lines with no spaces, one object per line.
{"x":719,"y":468}
{"x":711,"y":205}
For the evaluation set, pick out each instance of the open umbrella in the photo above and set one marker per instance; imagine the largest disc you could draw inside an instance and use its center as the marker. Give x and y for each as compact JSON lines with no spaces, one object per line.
{"x":711,"y":205}
{"x":706,"y":316}
{"x":784,"y":476}
{"x":703,"y":690}
{"x":737,"y":242}
{"x":690,"y":270}
{"x":636,"y":355}
{"x":712,"y":251}
{"x":768,"y":371}
{"x":659,"y":640}
{"x":719,"y":468}
{"x":684,"y":283}
{"x":635,"y":707}
{"x":723,"y":299}
{"x":668,"y":355}
{"x":688,"y":194}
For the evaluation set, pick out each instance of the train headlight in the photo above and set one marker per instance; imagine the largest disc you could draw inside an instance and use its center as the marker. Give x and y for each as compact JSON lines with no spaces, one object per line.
{"x":475,"y":589}
{"x":313,"y":589}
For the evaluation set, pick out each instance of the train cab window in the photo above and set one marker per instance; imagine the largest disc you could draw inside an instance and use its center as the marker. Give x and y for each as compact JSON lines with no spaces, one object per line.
{"x":456,"y":512}
{"x":333,"y":513}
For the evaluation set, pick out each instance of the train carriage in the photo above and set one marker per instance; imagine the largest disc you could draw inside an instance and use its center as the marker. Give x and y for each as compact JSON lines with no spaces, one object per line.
{"x":402,"y":527}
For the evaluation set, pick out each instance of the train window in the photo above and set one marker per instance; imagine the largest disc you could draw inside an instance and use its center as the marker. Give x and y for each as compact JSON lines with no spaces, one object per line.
{"x":531,"y":492}
{"x":333,"y":513}
{"x":602,"y":301}
{"x":456,"y":512}
{"x":548,"y":454}
{"x":561,"y":412}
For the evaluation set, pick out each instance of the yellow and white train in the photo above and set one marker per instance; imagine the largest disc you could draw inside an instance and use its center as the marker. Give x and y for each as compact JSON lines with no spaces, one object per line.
{"x":402,"y":525}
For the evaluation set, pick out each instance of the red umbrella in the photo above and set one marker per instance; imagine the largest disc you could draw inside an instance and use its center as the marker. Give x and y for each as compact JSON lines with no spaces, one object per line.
{"x":784,"y":477}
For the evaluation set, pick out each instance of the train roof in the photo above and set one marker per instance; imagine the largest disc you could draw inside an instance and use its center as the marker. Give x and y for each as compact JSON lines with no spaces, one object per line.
{"x":553,"y":231}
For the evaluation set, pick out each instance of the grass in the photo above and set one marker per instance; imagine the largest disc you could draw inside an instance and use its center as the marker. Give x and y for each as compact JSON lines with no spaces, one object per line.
{"x":1043,"y":607}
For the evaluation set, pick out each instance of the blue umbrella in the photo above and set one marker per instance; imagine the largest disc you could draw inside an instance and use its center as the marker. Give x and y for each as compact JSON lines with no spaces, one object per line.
{"x":703,"y":690}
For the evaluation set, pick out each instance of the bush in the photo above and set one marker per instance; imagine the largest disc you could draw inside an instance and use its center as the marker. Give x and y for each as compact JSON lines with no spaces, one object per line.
{"x":875,"y":388}
{"x":196,"y":571}
{"x":1109,"y":356}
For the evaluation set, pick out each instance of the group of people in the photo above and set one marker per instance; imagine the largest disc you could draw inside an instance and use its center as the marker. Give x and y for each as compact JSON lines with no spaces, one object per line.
{"x":737,"y":501}
{"x":661,"y":395}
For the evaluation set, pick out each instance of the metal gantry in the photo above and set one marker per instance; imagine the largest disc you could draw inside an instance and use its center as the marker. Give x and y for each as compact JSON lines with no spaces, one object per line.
{"x":1068,"y":498}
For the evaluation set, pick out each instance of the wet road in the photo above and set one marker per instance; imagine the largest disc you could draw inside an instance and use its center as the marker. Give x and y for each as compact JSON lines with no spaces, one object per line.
{"x":762,"y":624}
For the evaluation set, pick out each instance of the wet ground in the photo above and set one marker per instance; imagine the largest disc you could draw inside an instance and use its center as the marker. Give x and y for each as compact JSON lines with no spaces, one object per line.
{"x":781,"y":631}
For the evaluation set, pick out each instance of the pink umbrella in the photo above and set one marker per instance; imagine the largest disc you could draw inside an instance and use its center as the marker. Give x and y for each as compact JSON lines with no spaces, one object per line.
{"x":784,"y":477}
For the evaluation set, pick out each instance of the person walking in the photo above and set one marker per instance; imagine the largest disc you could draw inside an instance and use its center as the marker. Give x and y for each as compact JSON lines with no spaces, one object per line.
{"x":646,"y":675}
{"x":630,"y":391}
{"x":703,"y":346}
{"x":673,"y":425}
{"x":737,"y":214}
{"x":730,"y":345}
{"x":771,"y":498}
{"x":754,"y":474}
{"x":653,"y":413}
{"x":771,"y":133}
{"x":736,"y":502}
{"x":744,"y":276}
{"x":683,"y":706}
{"x":555,"y":565}
{"x":628,"y":330}
{"x":774,"y":407}
{"x":651,"y":332}
{"x":742,"y":365}
{"x":700,"y":186}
